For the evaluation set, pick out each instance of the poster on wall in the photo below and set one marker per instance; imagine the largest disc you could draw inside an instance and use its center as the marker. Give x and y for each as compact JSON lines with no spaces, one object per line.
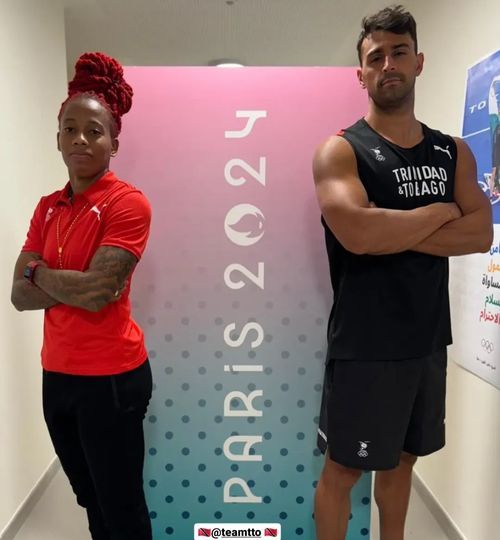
{"x":479,"y":327}
{"x":234,"y":293}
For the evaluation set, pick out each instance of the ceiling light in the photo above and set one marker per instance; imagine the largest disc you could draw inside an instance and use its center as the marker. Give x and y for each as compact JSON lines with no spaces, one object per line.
{"x":226,"y":63}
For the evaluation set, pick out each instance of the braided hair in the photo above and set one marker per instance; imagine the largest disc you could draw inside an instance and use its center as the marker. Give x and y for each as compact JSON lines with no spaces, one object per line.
{"x":101,"y":77}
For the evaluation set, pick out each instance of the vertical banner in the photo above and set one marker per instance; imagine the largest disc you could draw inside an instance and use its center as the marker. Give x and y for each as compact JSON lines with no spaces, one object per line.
{"x":478,"y":330}
{"x":233,"y":292}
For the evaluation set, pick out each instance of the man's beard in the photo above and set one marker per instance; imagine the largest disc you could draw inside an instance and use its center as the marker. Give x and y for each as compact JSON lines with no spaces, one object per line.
{"x":389,"y":99}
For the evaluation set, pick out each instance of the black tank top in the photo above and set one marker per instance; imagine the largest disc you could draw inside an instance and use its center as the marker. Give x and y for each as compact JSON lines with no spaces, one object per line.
{"x":392,"y":306}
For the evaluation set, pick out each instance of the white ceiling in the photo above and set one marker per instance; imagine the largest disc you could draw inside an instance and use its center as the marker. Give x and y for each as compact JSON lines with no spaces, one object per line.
{"x":195,"y":32}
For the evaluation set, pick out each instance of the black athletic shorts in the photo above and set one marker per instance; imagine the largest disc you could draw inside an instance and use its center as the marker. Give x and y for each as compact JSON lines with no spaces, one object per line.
{"x":371,"y":411}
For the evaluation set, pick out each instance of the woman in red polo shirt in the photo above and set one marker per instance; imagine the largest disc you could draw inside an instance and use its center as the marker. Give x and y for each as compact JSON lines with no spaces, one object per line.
{"x":83,"y":244}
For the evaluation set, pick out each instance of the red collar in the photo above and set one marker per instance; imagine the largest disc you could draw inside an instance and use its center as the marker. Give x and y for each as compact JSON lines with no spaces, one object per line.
{"x":92,"y":194}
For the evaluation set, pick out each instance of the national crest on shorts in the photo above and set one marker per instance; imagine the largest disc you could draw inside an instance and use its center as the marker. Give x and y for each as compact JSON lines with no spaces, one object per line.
{"x":363,"y":452}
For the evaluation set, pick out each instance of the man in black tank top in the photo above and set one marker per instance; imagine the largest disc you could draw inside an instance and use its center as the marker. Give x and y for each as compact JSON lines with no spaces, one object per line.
{"x":397,"y":199}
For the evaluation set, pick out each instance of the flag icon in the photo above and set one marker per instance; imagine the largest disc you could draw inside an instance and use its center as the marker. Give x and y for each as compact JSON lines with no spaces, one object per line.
{"x":205,"y":532}
{"x":271,"y":532}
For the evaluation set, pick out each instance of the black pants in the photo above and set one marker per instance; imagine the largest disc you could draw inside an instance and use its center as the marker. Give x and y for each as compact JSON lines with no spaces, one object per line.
{"x":95,"y":423}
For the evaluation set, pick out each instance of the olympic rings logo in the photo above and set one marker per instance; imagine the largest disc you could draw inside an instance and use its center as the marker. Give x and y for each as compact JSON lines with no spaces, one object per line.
{"x":487,"y":345}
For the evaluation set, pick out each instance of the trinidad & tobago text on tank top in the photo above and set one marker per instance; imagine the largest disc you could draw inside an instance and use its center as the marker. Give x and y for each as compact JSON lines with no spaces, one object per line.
{"x":393,"y":306}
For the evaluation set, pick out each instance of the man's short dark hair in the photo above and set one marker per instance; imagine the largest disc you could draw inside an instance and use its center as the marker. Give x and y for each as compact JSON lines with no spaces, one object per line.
{"x":393,"y":19}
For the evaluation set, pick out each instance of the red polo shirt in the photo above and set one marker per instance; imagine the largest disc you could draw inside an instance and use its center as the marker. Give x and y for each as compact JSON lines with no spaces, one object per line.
{"x":77,"y":341}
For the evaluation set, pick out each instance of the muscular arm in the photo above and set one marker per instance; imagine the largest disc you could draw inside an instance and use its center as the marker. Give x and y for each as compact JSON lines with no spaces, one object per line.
{"x":473,"y":232}
{"x":360,"y":228}
{"x":25,"y":295}
{"x":95,"y":288}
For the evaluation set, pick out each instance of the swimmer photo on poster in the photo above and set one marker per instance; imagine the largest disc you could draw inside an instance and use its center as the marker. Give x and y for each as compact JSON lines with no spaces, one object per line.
{"x":481,"y":127}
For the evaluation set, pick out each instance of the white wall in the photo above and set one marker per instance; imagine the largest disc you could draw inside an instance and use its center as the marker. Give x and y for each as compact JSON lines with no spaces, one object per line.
{"x":32,"y":86}
{"x":465,"y":476}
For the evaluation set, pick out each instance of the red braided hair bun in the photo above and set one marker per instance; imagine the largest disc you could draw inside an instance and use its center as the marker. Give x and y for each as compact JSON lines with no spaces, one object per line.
{"x":102,"y":77}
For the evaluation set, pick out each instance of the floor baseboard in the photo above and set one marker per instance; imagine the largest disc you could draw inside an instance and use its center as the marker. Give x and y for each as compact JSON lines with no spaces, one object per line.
{"x":444,"y":519}
{"x":11,"y":529}
{"x":439,"y":513}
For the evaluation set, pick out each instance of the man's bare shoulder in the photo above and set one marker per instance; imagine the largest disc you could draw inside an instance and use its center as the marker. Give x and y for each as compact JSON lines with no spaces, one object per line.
{"x":334,"y":155}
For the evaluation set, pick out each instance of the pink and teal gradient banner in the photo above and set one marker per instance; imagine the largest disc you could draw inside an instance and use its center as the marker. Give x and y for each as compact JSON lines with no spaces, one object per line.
{"x":233,"y":292}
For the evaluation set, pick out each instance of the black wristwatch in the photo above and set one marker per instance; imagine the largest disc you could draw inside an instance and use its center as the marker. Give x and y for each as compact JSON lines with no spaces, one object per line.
{"x":29,"y":269}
